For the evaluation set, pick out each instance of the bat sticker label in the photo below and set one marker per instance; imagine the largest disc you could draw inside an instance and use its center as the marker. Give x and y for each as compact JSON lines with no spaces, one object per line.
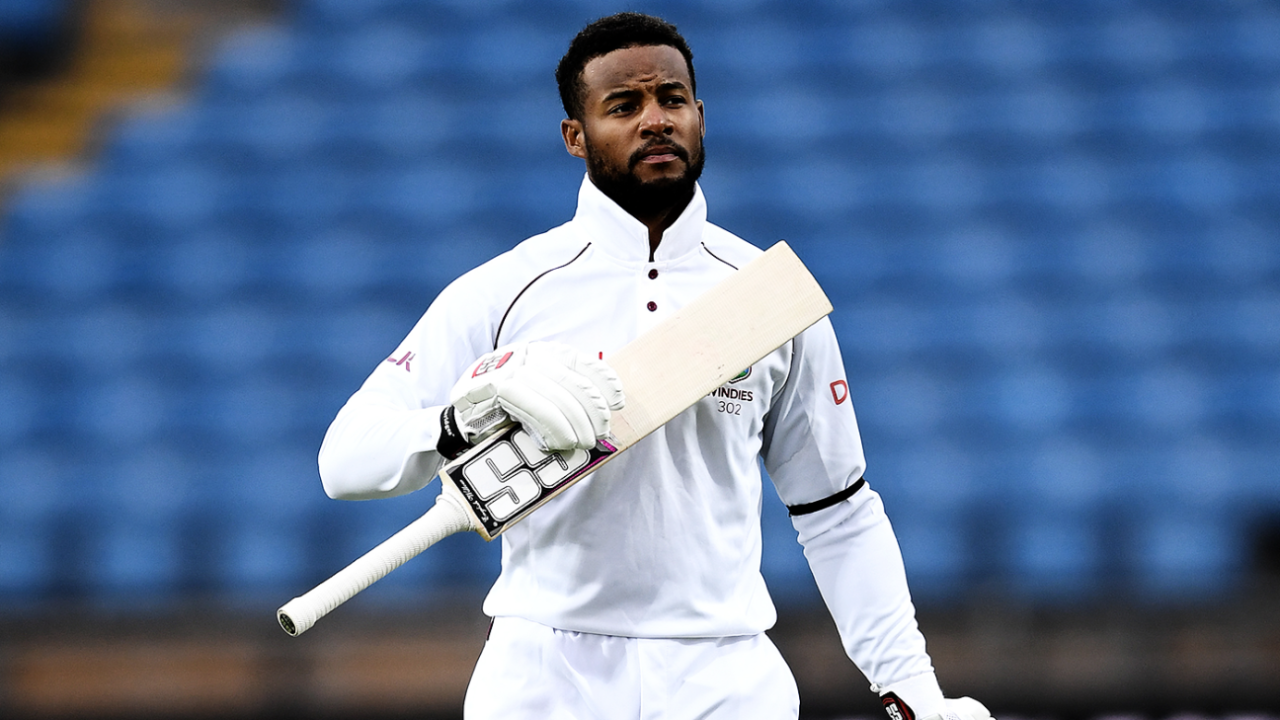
{"x":513,"y":475}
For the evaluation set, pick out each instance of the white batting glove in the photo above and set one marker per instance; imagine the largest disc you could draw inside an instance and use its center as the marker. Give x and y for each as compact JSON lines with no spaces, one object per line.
{"x":966,"y":708}
{"x":562,"y":397}
{"x":919,"y":698}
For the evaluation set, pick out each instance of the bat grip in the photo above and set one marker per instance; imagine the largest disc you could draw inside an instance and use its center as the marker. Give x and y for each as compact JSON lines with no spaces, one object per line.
{"x":444,"y":518}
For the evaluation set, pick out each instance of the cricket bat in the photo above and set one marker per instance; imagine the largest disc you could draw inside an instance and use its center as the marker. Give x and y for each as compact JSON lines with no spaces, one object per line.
{"x":666,"y":370}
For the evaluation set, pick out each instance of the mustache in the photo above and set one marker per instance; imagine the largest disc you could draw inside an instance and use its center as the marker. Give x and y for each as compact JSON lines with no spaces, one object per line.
{"x":676,"y":149}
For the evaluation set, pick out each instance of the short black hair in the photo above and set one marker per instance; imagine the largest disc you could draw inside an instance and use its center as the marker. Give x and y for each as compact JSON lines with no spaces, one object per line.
{"x":603,"y":36}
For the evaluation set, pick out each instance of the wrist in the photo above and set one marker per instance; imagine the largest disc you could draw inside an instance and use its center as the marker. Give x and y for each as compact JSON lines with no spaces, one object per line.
{"x":916,"y":698}
{"x":452,"y":442}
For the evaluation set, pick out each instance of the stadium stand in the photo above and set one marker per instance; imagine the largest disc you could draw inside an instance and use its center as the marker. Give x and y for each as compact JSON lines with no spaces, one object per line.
{"x":1049,"y":231}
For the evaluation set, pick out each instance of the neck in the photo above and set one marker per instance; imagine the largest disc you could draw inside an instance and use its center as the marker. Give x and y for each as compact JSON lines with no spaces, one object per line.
{"x":659,"y":222}
{"x":657,"y":216}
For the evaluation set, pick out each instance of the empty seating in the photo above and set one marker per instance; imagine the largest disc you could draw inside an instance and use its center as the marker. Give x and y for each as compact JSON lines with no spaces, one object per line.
{"x":1049,"y":237}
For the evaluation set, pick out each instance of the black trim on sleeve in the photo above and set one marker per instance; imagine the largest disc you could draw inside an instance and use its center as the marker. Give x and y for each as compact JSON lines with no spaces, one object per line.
{"x":826,"y":502}
{"x":451,"y":442}
{"x":503,"y":321}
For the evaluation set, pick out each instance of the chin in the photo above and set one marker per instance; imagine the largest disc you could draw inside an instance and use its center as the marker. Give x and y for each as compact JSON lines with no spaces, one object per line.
{"x":673,"y":176}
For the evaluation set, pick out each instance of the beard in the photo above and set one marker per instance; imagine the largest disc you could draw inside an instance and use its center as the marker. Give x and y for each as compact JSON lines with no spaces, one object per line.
{"x":651,"y":199}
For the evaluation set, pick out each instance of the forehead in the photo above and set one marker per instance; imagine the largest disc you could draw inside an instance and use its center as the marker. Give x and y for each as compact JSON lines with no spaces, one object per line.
{"x":634,"y":67}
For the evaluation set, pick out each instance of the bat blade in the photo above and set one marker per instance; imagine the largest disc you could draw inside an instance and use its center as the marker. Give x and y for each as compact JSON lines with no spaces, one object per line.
{"x":664,"y":371}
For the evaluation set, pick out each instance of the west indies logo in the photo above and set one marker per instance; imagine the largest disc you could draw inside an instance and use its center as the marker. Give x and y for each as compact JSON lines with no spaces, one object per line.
{"x":724,"y":391}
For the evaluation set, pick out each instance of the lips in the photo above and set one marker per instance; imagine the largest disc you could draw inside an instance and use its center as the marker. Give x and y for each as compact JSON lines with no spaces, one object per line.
{"x":657,"y":154}
{"x":658,"y":158}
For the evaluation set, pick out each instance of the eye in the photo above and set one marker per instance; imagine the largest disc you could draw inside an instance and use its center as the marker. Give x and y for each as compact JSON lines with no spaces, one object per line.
{"x":620,"y":108}
{"x":675,"y":100}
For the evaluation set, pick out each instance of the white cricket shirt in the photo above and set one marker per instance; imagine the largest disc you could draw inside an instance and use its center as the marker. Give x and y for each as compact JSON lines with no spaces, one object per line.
{"x":665,"y":540}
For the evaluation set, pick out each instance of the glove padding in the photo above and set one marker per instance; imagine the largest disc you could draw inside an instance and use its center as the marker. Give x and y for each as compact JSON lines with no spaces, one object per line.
{"x":920,"y":698}
{"x":963,"y":708}
{"x":561,"y":396}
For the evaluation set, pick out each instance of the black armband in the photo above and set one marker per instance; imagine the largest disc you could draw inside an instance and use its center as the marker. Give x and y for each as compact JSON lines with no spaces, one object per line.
{"x":826,"y":502}
{"x":452,"y":442}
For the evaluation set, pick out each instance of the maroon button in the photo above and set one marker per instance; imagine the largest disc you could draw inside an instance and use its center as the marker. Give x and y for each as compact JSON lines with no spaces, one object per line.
{"x":652,"y":306}
{"x":653,"y":274}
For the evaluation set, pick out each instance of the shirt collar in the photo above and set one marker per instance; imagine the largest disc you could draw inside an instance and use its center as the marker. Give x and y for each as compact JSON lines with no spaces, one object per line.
{"x":619,"y":234}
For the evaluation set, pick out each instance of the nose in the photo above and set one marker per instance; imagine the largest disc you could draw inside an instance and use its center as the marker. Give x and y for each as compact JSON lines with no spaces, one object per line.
{"x":655,"y":120}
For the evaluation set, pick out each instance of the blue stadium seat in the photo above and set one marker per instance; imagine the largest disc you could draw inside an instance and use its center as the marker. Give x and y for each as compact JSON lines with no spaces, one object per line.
{"x":204,"y":267}
{"x":75,"y":266}
{"x":281,"y":129}
{"x":1054,"y":556}
{"x":27,"y":563}
{"x":134,"y":559}
{"x":33,"y":482}
{"x":152,"y":137}
{"x":1183,"y":555}
{"x":253,"y":64}
{"x":933,"y":478}
{"x":380,"y":59}
{"x":232,"y":339}
{"x":19,"y":403}
{"x":397,"y":129}
{"x":336,"y":15}
{"x":267,"y":494}
{"x":168,"y":198}
{"x":937,"y":551}
{"x":124,"y":410}
{"x":263,"y":555}
{"x":44,"y":209}
{"x":333,"y":266}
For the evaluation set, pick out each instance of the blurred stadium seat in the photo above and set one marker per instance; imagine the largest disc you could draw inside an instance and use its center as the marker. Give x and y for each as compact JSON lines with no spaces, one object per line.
{"x":1049,"y":232}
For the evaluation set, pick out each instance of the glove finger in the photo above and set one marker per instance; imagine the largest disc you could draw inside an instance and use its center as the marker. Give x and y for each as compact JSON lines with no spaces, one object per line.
{"x":540,"y":417}
{"x":967,"y":707}
{"x":605,"y":380}
{"x":596,"y":370}
{"x":579,"y":400}
{"x":583,"y":392}
{"x":552,"y":410}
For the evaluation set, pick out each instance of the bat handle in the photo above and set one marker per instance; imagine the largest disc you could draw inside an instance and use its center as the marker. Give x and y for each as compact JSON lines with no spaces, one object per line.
{"x":444,"y":518}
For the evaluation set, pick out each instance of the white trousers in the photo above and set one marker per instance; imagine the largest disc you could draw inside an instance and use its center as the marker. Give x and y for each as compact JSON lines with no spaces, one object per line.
{"x":530,"y":671}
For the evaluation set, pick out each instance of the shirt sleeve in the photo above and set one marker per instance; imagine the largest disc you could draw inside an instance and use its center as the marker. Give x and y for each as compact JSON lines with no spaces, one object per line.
{"x":813,"y":452}
{"x":383,"y":441}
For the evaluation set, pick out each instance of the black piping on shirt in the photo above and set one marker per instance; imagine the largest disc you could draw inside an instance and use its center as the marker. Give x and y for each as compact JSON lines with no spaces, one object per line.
{"x":826,"y":502}
{"x":514,"y":300}
{"x":726,"y":262}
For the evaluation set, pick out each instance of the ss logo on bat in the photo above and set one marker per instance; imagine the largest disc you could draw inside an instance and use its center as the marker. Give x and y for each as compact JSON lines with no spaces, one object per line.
{"x":513,"y":474}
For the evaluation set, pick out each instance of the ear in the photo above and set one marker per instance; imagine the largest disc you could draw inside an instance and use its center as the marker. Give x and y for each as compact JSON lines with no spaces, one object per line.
{"x":702,"y":118}
{"x":574,"y":139}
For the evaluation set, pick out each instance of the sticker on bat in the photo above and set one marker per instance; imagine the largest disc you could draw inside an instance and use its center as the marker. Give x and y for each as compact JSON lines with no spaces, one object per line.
{"x":512,"y":475}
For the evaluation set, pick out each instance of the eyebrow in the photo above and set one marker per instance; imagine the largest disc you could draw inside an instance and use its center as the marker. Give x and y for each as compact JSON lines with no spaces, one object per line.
{"x":628,"y":92}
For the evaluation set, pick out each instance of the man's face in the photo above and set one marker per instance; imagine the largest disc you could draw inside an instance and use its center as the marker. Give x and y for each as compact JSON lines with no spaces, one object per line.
{"x":641,"y":129}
